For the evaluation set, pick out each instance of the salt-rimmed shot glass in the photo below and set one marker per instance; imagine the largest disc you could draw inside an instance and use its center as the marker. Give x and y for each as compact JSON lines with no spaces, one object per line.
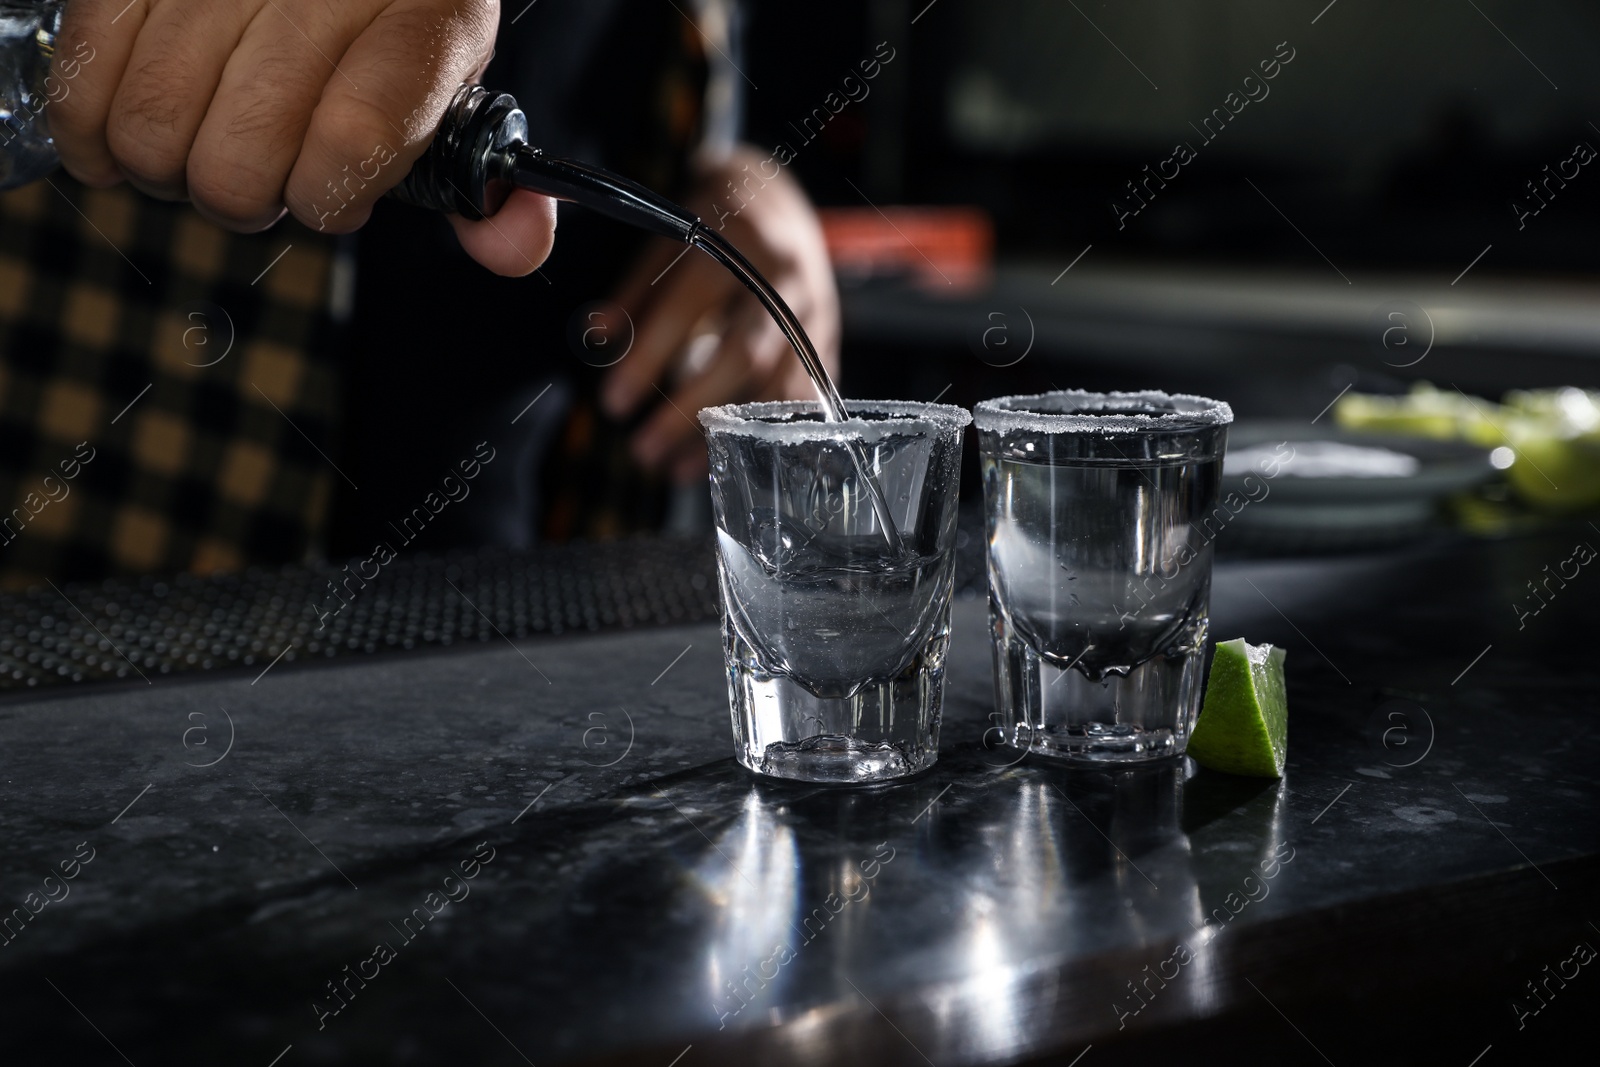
{"x":835,"y":624}
{"x":1099,"y":570}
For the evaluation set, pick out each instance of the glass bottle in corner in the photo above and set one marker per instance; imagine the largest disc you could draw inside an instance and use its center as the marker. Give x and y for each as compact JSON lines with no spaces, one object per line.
{"x":28,"y":87}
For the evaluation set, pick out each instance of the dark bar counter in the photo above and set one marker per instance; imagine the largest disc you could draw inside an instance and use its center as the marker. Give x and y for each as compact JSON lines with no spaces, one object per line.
{"x":539,"y":850}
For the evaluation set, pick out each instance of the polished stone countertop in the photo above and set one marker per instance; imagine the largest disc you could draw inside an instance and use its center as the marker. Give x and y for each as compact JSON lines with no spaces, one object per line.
{"x":254,"y":835}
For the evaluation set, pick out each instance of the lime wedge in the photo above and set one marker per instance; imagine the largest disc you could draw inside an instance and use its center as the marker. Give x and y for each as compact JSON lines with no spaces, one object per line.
{"x":1244,"y":722}
{"x":1559,"y":474}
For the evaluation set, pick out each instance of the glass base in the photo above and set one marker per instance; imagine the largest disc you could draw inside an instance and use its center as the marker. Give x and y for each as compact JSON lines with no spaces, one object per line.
{"x":1143,"y":716}
{"x":886,"y":730}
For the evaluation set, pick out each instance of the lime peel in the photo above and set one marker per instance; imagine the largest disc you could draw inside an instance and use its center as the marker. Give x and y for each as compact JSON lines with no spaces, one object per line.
{"x":1244,"y":721}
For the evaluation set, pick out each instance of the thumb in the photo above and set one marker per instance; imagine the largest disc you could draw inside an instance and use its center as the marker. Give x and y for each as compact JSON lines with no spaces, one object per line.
{"x":516,"y":240}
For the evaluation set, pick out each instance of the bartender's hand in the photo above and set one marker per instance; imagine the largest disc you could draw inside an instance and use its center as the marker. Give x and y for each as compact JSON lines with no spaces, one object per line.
{"x":251,"y":108}
{"x":776,"y":228}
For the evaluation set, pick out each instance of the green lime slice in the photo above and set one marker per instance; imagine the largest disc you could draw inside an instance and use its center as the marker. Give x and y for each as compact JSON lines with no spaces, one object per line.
{"x":1244,"y":722}
{"x":1554,"y":473}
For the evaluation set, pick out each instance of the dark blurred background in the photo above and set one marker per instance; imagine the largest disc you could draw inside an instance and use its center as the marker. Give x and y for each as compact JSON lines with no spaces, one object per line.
{"x":1381,"y":161}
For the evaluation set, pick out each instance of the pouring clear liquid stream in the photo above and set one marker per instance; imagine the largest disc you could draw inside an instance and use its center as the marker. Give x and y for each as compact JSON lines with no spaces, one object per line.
{"x":481,"y":152}
{"x":721,"y":250}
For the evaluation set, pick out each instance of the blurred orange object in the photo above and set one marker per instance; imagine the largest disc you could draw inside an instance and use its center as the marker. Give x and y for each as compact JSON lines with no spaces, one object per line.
{"x":941,"y":248}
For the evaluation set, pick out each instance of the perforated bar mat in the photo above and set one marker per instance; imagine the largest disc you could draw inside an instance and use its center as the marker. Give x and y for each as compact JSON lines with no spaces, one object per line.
{"x":151,"y":626}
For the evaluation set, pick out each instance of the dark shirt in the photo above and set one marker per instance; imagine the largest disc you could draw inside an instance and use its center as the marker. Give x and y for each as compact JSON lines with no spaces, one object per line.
{"x":445,"y":355}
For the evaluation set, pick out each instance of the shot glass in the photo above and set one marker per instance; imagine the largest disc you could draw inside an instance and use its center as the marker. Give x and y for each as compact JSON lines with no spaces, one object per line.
{"x":835,"y":605}
{"x":1100,"y":567}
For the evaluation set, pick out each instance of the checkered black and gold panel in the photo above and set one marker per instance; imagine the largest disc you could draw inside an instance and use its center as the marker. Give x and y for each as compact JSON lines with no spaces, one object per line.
{"x":168,"y":391}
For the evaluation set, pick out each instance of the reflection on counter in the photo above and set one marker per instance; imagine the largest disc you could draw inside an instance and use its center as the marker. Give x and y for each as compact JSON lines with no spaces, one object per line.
{"x":751,"y":877}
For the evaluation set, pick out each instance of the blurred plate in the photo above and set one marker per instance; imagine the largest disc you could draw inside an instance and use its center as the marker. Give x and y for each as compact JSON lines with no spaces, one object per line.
{"x":1340,"y":489}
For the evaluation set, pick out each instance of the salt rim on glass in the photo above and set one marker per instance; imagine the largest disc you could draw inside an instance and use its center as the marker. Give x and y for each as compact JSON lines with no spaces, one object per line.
{"x":775,"y":420}
{"x":1023,"y":414}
